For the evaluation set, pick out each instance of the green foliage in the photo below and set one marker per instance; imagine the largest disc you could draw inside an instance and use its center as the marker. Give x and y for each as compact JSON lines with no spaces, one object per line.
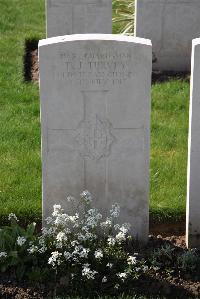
{"x":123,"y":18}
{"x":13,"y":242}
{"x":170,"y":260}
{"x":163,"y":257}
{"x":189,"y":262}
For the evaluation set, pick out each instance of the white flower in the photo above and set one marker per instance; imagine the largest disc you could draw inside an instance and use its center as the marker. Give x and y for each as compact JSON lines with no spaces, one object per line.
{"x":123,"y":276}
{"x":137,"y":269}
{"x":67,"y":231}
{"x":49,"y":220}
{"x":67,"y":255}
{"x":115,"y":211}
{"x":98,"y":254}
{"x":85,"y":228}
{"x":87,"y":272}
{"x":80,"y":251}
{"x":109,"y":265}
{"x":59,"y":245}
{"x":107,"y":223}
{"x":41,"y":240}
{"x":111,"y":241}
{"x":12,"y":216}
{"x":74,"y":243}
{"x":42,"y":249}
{"x":55,"y":260}
{"x":95,"y":214}
{"x":21,"y":241}
{"x":86,"y":236}
{"x":92,"y":218}
{"x":84,"y":253}
{"x":86,"y":196}
{"x":116,"y":226}
{"x":81,"y":237}
{"x":125,"y":228}
{"x":48,"y":231}
{"x":61,"y":236}
{"x":104,"y":279}
{"x":116,"y":286}
{"x":32,"y":249}
{"x":131,"y":260}
{"x":120,"y":237}
{"x":3,"y":254}
{"x":145,"y":268}
{"x":56,"y":210}
{"x":74,"y":218}
{"x":90,"y":236}
{"x":61,"y":219}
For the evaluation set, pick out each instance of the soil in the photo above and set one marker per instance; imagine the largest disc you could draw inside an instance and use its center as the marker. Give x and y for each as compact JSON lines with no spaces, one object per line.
{"x":31,"y":67}
{"x":168,"y":229}
{"x":35,"y":67}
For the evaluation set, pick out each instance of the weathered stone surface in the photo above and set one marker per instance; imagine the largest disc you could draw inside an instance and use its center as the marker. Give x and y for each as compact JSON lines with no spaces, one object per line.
{"x":193,"y":190}
{"x":171,"y":25}
{"x":78,"y":16}
{"x":95,"y":111}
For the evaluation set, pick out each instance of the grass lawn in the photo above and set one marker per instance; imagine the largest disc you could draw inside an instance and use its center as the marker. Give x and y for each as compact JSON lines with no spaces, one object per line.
{"x":20,"y":170}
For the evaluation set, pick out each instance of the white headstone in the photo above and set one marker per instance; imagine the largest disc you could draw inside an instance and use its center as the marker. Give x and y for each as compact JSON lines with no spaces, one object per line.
{"x":95,"y":112}
{"x":171,"y":25}
{"x":193,"y":190}
{"x":78,"y":16}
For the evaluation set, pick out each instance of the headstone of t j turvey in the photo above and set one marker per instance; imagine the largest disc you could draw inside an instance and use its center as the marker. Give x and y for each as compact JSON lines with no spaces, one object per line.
{"x":78,"y":16}
{"x":95,"y":113}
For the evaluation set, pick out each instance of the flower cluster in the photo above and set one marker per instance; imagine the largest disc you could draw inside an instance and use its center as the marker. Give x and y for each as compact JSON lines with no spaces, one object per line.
{"x":12,"y":217}
{"x":83,"y":245}
{"x":3,"y":254}
{"x":20,"y":241}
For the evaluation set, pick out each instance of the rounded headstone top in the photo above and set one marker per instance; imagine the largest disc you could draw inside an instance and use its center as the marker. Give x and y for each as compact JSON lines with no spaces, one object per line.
{"x":94,"y":37}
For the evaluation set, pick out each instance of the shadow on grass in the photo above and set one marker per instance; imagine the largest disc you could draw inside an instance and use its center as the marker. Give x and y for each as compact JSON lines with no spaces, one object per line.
{"x":159,"y":77}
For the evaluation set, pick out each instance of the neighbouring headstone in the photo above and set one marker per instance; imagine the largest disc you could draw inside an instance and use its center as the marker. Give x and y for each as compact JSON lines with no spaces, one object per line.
{"x":193,"y":190}
{"x":95,"y":114}
{"x":78,"y":16}
{"x":171,"y":25}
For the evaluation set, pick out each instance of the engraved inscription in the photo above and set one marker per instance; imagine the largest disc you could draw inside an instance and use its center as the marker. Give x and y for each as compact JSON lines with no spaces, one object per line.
{"x":94,"y":68}
{"x":94,"y":138}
